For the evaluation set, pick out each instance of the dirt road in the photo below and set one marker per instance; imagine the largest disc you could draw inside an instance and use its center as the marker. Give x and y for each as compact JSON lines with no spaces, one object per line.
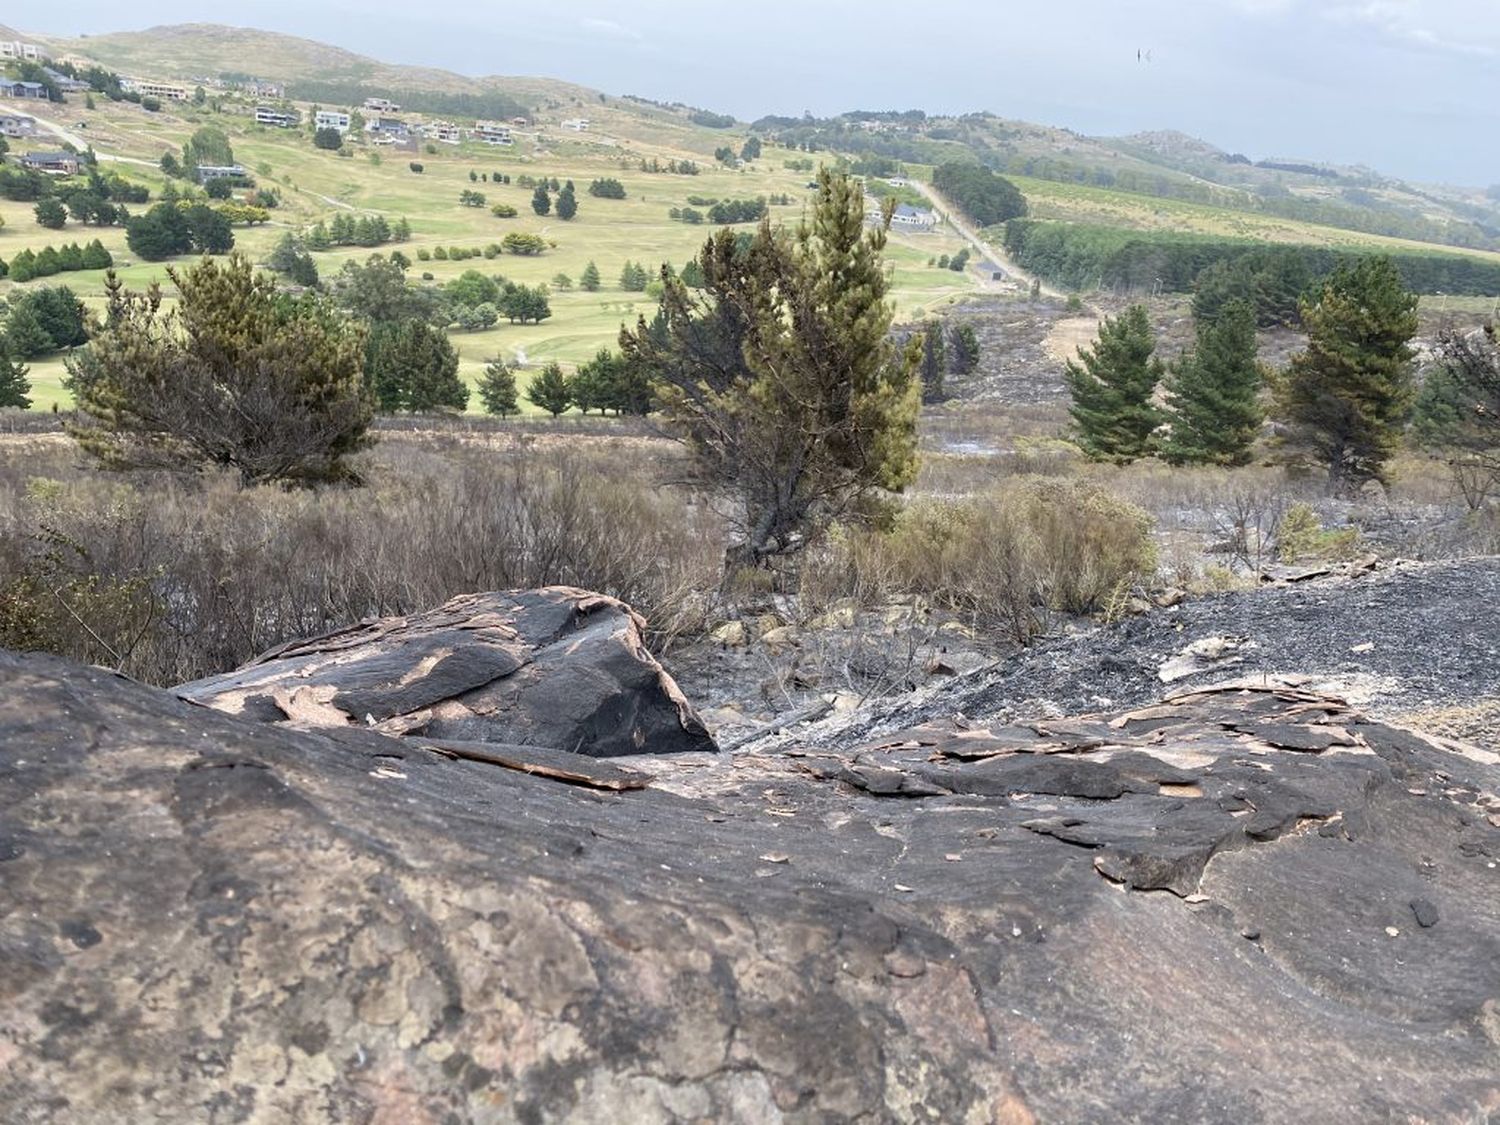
{"x":985,"y":250}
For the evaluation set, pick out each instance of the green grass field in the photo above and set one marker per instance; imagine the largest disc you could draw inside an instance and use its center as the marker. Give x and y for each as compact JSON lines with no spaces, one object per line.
{"x":607,"y":232}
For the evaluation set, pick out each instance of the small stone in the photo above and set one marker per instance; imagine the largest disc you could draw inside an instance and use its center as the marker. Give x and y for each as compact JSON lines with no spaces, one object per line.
{"x":776,"y":857}
{"x":1426,"y":912}
{"x":731,"y":634}
{"x":1391,"y":931}
{"x":953,"y":857}
{"x":1250,"y":933}
{"x":1368,"y":646}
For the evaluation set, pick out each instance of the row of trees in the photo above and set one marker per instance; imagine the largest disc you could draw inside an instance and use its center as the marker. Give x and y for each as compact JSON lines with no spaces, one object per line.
{"x":608,"y":382}
{"x":982,"y":196}
{"x":167,"y":230}
{"x":1344,"y":400}
{"x":346,"y":229}
{"x":49,"y":260}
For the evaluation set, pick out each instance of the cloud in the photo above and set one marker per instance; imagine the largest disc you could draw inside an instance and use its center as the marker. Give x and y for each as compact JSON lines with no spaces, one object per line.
{"x":610,"y":29}
{"x":1411,"y":24}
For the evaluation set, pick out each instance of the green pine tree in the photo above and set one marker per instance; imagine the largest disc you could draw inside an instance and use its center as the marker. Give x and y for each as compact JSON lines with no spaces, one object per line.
{"x":1112,"y":385}
{"x":497,"y":389}
{"x":15,"y":388}
{"x":567,"y":202}
{"x":25,"y":336}
{"x":589,"y":281}
{"x":541,"y":202}
{"x":550,"y":390}
{"x":1347,"y":397}
{"x":1213,"y":393}
{"x":934,"y":362}
{"x":412,"y":365}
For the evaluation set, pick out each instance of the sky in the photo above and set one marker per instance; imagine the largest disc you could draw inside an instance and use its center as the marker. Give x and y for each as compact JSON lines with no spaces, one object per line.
{"x":1408,"y":87}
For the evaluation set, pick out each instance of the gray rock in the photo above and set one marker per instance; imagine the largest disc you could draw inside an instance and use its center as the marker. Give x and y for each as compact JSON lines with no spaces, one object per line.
{"x":208,"y":918}
{"x":559,"y":667}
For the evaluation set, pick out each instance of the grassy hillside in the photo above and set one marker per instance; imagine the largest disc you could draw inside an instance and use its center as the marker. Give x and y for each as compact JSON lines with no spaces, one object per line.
{"x":317,"y":185}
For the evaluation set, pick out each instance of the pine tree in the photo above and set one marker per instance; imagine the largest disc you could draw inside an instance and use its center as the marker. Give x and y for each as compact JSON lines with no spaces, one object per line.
{"x":25,"y":336}
{"x":51,"y":214}
{"x":541,"y":202}
{"x":1348,"y":395}
{"x":567,"y":202}
{"x":963,"y":349}
{"x":15,"y":388}
{"x":550,"y":390}
{"x":411,"y":365}
{"x":589,"y":281}
{"x":1213,"y":393}
{"x":934,"y":362}
{"x":497,"y":389}
{"x":781,"y":379}
{"x":1112,"y":385}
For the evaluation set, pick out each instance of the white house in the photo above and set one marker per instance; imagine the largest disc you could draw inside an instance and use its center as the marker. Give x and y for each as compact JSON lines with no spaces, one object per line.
{"x":16,"y":125}
{"x":577,"y":124}
{"x":493,"y":133}
{"x":444,"y":131}
{"x":276,"y":118}
{"x":910,"y":218}
{"x":149,"y":88}
{"x":381,"y":105}
{"x":208,"y":172}
{"x":331,"y":119}
{"x":15,"y":49}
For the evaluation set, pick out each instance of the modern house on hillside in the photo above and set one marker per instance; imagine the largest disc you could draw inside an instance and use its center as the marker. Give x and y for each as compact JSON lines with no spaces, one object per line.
{"x":910,"y":218}
{"x":381,"y":105}
{"x":66,"y":82}
{"x":16,"y":125}
{"x":15,"y":49}
{"x":276,"y":118}
{"x":493,"y":133}
{"x":52,"y":163}
{"x":150,"y":88}
{"x":577,"y":124}
{"x":206,"y":172}
{"x":33,"y":91}
{"x":444,"y":131}
{"x":331,"y":119}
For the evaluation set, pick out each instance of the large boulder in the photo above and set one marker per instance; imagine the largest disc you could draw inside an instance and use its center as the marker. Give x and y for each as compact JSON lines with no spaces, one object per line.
{"x":559,"y":667}
{"x":1243,"y":904}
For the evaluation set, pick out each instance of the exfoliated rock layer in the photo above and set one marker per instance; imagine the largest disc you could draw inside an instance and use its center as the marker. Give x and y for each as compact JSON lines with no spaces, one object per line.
{"x":1237,"y":905}
{"x":558,"y":667}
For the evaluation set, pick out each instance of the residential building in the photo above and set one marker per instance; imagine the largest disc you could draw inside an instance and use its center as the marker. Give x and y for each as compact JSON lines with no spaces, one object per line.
{"x":16,"y":125}
{"x":392,"y":128}
{"x":577,"y":124}
{"x":53,"y":163}
{"x":208,"y":172}
{"x":276,"y":118}
{"x":66,"y":82}
{"x":898,"y":181}
{"x":15,"y":49}
{"x":260,"y":88}
{"x":331,"y":119}
{"x":25,"y":90}
{"x":381,"y":105}
{"x":444,"y":131}
{"x":77,"y":62}
{"x":150,"y":88}
{"x":493,"y":133}
{"x":910,"y":218}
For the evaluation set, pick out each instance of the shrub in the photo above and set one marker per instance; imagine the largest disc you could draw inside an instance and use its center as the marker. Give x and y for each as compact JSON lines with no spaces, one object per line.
{"x":1002,"y":559}
{"x":1301,"y":535}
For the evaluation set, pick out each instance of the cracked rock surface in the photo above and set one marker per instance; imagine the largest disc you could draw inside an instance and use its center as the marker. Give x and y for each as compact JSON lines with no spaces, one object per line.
{"x":1237,"y":905}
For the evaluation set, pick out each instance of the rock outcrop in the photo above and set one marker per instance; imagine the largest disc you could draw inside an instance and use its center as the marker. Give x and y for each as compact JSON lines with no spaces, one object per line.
{"x":1238,"y":905}
{"x":558,"y":668}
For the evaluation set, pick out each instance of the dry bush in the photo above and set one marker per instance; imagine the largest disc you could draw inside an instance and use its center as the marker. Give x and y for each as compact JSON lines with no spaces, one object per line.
{"x":169,"y":581}
{"x":1001,"y":560}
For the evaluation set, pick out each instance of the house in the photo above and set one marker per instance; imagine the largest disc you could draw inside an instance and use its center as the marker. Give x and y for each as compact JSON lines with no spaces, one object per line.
{"x":577,"y":124}
{"x":898,"y":181}
{"x":392,"y":128}
{"x":331,"y":119}
{"x":444,"y":131}
{"x":26,"y":90}
{"x":260,"y":88}
{"x":492,"y":133}
{"x":15,"y":49}
{"x":150,"y":88}
{"x":53,"y":163}
{"x":66,"y":82}
{"x":276,"y":118}
{"x":16,"y":125}
{"x":208,"y":172}
{"x":910,"y":218}
{"x":381,"y":105}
